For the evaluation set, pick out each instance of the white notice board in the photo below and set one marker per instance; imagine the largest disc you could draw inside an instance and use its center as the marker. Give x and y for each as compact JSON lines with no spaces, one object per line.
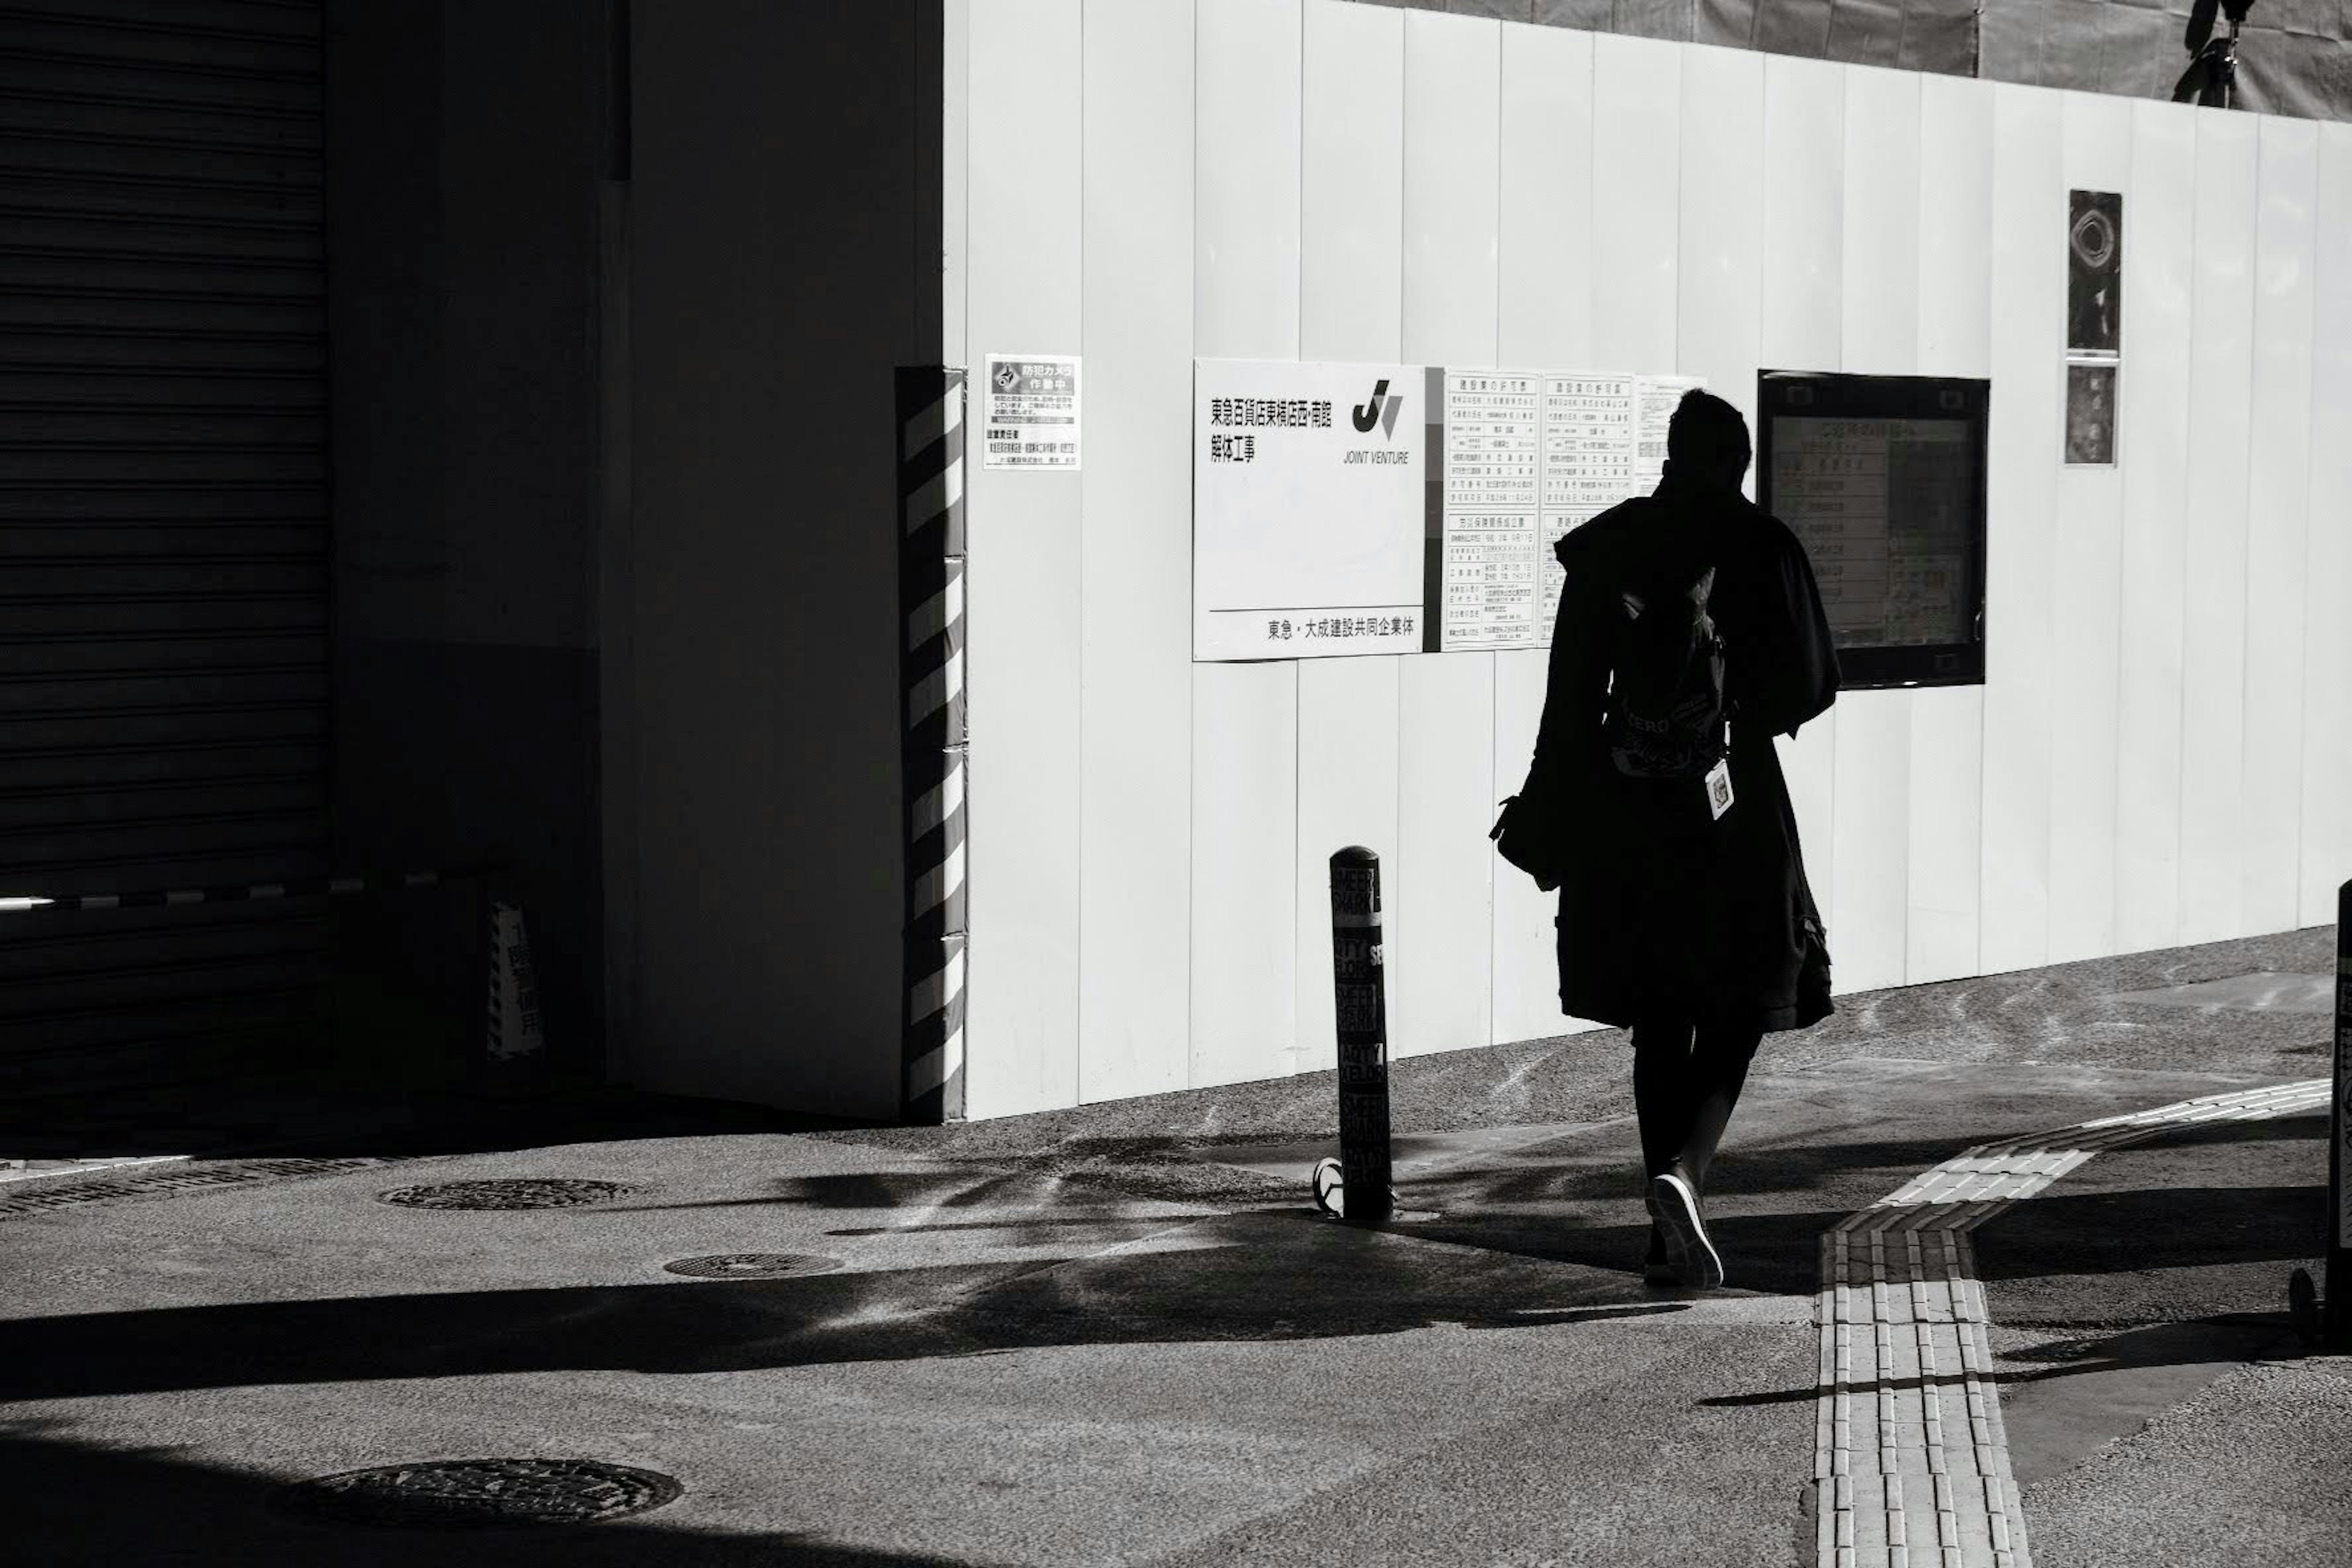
{"x":1307,"y":509}
{"x":1342,"y":508}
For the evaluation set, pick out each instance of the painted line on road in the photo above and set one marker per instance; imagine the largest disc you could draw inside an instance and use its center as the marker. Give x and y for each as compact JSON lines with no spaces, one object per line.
{"x":11,"y":1171}
{"x":1911,"y":1461}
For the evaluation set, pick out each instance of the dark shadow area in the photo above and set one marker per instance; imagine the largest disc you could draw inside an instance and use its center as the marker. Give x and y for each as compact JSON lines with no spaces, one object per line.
{"x":330,"y":1114}
{"x":1761,"y":1169}
{"x":1308,"y":1279}
{"x":1774,"y":1253}
{"x":2150,"y":1228}
{"x":2232,"y":1337}
{"x":1083,"y":1222}
{"x":73,"y":1505}
{"x":2057,"y":1232}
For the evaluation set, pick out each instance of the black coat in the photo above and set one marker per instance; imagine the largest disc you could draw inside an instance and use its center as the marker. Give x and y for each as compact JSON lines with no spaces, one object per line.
{"x":1664,"y":911}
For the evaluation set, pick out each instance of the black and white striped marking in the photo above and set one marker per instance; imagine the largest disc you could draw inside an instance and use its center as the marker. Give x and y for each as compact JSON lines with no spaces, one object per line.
{"x":250,"y":892}
{"x":931,"y":583}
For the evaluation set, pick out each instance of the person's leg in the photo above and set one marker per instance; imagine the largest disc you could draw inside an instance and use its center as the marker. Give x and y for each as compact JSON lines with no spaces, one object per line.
{"x":1662,"y":1090}
{"x":1666,"y":1084}
{"x":1661,"y":1109}
{"x":1719,"y":1059}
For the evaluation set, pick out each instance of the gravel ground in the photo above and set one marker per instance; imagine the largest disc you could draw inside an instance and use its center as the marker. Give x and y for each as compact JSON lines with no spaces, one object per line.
{"x":2249,"y":1473}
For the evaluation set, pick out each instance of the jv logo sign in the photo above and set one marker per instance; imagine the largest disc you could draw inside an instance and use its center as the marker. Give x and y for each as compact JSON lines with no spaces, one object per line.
{"x":1379,"y":409}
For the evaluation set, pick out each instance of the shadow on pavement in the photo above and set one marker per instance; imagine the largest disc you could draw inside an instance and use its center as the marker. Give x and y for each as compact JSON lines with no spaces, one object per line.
{"x":2228,"y":1338}
{"x":327,"y":1115}
{"x":2058,"y":1232}
{"x":70,"y":1504}
{"x":1311,"y":1281}
{"x":2149,"y":1229}
{"x":1286,"y":1277}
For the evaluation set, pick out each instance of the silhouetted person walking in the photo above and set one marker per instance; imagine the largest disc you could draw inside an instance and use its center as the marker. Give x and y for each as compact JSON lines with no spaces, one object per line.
{"x":1690,"y":633}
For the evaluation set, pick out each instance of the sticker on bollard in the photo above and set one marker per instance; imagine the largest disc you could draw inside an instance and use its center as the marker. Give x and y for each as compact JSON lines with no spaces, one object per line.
{"x":1330,"y":1185}
{"x":1360,"y":1009}
{"x":1331,"y":1194}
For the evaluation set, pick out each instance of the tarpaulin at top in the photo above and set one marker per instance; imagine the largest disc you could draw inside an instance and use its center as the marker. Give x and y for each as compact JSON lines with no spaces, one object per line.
{"x":2293,"y":58}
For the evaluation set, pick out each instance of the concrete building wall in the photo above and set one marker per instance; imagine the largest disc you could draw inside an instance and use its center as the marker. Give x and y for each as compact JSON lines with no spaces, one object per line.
{"x":2155,"y":757}
{"x":785,"y":251}
{"x":465,"y":145}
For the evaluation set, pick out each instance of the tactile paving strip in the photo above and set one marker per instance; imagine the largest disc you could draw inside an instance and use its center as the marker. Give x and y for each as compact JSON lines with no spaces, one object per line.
{"x":1911,"y":1461}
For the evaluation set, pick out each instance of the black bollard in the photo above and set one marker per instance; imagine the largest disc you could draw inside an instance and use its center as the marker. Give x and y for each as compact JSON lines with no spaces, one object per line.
{"x":2337,"y":1329}
{"x":2323,"y":1314}
{"x":1362,"y":1008}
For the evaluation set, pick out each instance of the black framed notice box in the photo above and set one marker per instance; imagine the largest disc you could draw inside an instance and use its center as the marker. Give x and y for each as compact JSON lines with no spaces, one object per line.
{"x":1883,"y":477}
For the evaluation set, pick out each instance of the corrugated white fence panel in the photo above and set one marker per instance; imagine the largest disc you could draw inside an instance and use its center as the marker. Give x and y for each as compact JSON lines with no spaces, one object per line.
{"x":1135,"y":837}
{"x":1868,"y":896}
{"x":1440,"y":935}
{"x":2029,"y":300}
{"x":1804,"y":200}
{"x":2086,"y":608}
{"x":2152,"y":426}
{"x":1346,"y":795}
{"x":1351,"y":183}
{"x":2278,"y":524}
{"x":1544,"y":321}
{"x":1351,"y":196}
{"x":1719,"y":274}
{"x":1944,"y":832}
{"x":1869,"y":905}
{"x":1804,"y":213}
{"x":1955,"y":199}
{"x":1246,"y":179}
{"x":1440,"y":928}
{"x":2212,"y":774}
{"x":1879,"y":320}
{"x":1452,"y":146}
{"x":1546,"y":273}
{"x":1526,"y":966}
{"x":2327,"y":634}
{"x":1637,"y":110}
{"x":1947,"y":764}
{"x":1245,"y":983}
{"x":1022,"y":579}
{"x":1244,"y":717}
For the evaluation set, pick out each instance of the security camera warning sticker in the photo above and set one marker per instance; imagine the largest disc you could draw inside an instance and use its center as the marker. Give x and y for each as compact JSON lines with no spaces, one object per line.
{"x":1032,"y":406}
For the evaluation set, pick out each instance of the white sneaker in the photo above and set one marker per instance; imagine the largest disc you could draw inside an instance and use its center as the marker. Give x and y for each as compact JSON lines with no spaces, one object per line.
{"x":1676,"y":1208}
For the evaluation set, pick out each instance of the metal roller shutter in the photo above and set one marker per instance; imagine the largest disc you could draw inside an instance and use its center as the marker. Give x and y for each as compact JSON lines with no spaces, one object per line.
{"x":163,"y":574}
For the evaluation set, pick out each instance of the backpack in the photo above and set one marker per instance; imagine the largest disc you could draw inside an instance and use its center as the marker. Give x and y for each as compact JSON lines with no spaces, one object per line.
{"x":1665,"y":701}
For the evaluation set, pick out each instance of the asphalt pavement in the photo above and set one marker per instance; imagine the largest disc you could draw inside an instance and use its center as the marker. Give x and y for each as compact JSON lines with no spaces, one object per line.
{"x":1122,"y":1334}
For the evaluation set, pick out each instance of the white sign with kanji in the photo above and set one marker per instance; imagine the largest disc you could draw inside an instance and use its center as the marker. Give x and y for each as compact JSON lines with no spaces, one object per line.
{"x":1031,"y":402}
{"x":1308,"y":510}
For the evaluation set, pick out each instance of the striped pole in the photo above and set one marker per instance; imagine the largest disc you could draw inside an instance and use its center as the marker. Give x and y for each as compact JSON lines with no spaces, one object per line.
{"x":247,"y":892}
{"x":930,"y":594}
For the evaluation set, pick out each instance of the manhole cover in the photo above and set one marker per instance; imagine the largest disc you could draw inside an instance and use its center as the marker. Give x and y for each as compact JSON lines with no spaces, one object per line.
{"x":480,"y":1494}
{"x":544,"y":1192}
{"x":752,"y":1265}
